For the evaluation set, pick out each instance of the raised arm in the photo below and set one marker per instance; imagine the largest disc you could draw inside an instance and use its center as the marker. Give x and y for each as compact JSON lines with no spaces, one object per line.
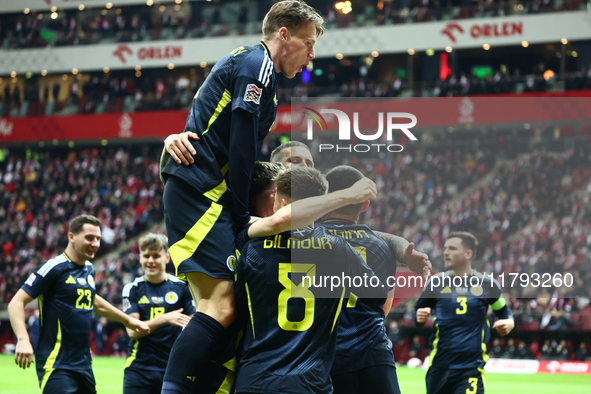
{"x":405,"y":253}
{"x":306,"y":211}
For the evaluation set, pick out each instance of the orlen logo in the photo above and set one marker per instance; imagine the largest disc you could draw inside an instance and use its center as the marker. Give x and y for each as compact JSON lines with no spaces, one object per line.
{"x":567,"y":367}
{"x":6,"y":127}
{"x":449,"y":31}
{"x":345,"y":129}
{"x":505,"y":29}
{"x":121,"y":51}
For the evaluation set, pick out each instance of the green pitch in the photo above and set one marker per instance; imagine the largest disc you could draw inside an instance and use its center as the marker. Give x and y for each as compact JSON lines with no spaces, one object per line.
{"x":109,"y":377}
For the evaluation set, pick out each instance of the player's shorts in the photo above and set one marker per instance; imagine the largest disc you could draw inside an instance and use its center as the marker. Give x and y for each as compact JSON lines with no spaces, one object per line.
{"x":142,"y":382}
{"x":379,"y":379}
{"x":214,"y":379}
{"x":455,"y":381}
{"x":200,"y":231}
{"x":67,"y":381}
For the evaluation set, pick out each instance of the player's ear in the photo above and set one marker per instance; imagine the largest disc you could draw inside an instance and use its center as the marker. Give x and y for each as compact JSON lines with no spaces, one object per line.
{"x":469,"y":253}
{"x":284,"y":202}
{"x":167,"y":258}
{"x":365,"y":206}
{"x":283,"y":34}
{"x":71,"y":236}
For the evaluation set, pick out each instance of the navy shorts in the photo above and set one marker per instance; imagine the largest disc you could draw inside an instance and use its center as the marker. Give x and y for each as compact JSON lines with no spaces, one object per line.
{"x":200,"y":231}
{"x":455,"y":381}
{"x":379,"y":379}
{"x":213,"y":379}
{"x":142,"y":382}
{"x":67,"y":381}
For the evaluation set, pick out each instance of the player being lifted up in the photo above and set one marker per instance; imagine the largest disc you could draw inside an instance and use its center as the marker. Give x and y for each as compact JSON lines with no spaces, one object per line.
{"x":67,"y":296}
{"x":233,"y":110}
{"x":458,"y":354}
{"x":291,"y":329}
{"x":165,"y":304}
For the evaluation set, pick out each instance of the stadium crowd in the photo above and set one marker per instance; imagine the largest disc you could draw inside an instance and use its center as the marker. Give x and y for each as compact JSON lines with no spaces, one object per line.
{"x":149,"y":90}
{"x":41,"y":190}
{"x":194,"y":20}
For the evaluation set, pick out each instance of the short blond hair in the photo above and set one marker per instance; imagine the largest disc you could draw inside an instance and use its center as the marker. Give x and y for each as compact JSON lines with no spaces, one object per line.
{"x":292,"y":14}
{"x":154,"y":241}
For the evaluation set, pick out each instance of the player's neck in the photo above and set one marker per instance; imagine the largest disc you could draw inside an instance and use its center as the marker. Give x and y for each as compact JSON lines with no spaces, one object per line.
{"x":463,"y":270}
{"x":341,"y":216}
{"x":73,"y":256}
{"x":273,"y":47}
{"x":155,"y":279}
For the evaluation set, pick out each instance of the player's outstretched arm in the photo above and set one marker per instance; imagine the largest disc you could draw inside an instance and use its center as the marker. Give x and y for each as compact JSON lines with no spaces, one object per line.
{"x":174,"y":318}
{"x":23,"y":355}
{"x":104,"y":309}
{"x":308,"y":210}
{"x":405,"y":253}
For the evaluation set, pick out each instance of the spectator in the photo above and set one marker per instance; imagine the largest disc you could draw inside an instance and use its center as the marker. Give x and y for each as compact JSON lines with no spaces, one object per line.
{"x":511,"y":350}
{"x":416,"y":348}
{"x":496,"y":350}
{"x":582,"y":353}
{"x":562,"y":351}
{"x":523,"y":352}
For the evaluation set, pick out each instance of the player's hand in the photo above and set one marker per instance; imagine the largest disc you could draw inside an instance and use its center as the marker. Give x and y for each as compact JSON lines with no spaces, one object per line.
{"x":363,"y":190}
{"x":504,"y":326}
{"x":423,"y":314}
{"x":417,"y":261}
{"x":177,"y":318}
{"x":180,"y":148}
{"x":23,"y":355}
{"x":136,"y":325}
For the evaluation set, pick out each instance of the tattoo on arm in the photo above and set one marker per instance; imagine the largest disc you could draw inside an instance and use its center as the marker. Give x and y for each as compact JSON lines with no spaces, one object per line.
{"x":397,"y":245}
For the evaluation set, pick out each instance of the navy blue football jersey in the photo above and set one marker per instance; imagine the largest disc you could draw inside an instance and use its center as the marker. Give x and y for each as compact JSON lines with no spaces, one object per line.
{"x":362,"y":341}
{"x":244,"y":79}
{"x":292,"y":317}
{"x":461,"y":324}
{"x":66,"y":293}
{"x":150,"y":301}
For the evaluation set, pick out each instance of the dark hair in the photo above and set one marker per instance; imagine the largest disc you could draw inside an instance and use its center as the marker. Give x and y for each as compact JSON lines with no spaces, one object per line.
{"x":301,"y":182}
{"x":77,"y":224}
{"x":278,"y":153}
{"x":264,"y":176}
{"x":343,"y":177}
{"x":153,"y":241}
{"x":469,"y":241}
{"x":292,"y":14}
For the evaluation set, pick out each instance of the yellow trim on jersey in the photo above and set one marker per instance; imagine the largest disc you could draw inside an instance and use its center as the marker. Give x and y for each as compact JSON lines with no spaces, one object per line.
{"x":485,"y":356}
{"x":66,"y":256}
{"x":216,"y":193}
{"x":185,"y":248}
{"x":227,"y":384}
{"x":225,"y":100}
{"x":336,"y":317}
{"x":434,"y":351}
{"x":48,"y":367}
{"x":133,"y":355}
{"x":250,"y":308}
{"x":482,"y":374}
{"x":40,"y":302}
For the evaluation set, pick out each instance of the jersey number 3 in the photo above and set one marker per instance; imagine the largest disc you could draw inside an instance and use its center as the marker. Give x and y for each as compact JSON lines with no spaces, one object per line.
{"x":296,"y":291}
{"x":463,"y":306}
{"x":82,"y":293}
